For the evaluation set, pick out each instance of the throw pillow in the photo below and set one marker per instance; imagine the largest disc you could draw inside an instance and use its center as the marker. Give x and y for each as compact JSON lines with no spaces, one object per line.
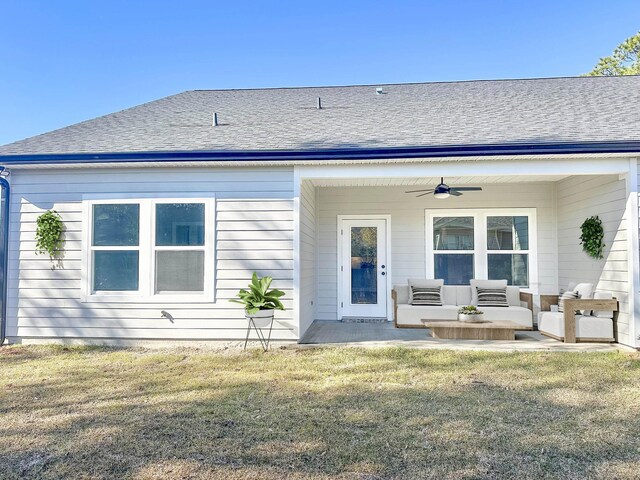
{"x":566,"y":296}
{"x":492,"y":297}
{"x":423,"y":283}
{"x":475,"y":284}
{"x":426,"y":296}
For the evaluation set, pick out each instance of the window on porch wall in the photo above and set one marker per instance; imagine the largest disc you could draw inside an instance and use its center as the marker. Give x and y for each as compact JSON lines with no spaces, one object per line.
{"x":465,"y":244}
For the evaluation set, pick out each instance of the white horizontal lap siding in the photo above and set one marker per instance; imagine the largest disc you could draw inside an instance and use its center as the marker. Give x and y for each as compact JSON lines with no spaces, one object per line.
{"x":408,"y":228}
{"x":254,"y":232}
{"x":308,"y":286}
{"x":581,"y":197}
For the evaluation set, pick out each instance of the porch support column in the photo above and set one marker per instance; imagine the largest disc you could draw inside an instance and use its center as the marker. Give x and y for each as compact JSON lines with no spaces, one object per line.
{"x":633,"y":246}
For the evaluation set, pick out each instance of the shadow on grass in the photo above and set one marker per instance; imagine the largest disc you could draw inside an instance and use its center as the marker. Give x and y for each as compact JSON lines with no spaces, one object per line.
{"x":324,"y":414}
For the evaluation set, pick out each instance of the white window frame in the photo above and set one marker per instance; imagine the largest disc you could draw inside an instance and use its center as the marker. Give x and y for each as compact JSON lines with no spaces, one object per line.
{"x":480,"y":251}
{"x":146,"y":292}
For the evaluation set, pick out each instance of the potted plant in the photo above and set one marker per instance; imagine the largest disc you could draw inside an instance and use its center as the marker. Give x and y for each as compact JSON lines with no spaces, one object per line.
{"x":260,"y":302}
{"x":470,"y":314}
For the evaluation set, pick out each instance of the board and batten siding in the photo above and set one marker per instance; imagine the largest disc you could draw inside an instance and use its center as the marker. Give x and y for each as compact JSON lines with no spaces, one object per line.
{"x":307,"y":255}
{"x":580,"y":197}
{"x":254,"y":232}
{"x":408,"y":229}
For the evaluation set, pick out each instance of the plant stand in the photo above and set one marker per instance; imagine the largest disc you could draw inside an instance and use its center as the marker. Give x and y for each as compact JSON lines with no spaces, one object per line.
{"x":264,"y":340}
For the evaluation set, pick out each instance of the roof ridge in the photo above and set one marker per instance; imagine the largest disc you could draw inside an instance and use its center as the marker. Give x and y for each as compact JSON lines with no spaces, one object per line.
{"x":396,"y":84}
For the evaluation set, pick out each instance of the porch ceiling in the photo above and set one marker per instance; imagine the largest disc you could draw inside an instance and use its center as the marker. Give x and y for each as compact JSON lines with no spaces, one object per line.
{"x":432,"y":181}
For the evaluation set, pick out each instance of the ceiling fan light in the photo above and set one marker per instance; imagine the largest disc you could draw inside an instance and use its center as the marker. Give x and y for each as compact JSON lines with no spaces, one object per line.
{"x":441,"y":191}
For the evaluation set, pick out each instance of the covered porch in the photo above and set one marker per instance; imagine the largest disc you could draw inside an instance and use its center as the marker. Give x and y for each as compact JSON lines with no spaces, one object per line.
{"x":339,"y":333}
{"x":553,"y":195}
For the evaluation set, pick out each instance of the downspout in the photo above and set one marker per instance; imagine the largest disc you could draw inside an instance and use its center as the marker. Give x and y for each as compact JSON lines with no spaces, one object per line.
{"x":5,"y":192}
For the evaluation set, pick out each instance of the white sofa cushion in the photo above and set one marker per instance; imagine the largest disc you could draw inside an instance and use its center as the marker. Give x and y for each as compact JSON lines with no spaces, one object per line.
{"x":513,"y":296}
{"x":586,"y":326}
{"x":449,"y":295}
{"x":402,"y":293}
{"x":520,"y":315}
{"x":413,"y":314}
{"x":423,"y":283}
{"x":463,"y":295}
{"x":484,"y":284}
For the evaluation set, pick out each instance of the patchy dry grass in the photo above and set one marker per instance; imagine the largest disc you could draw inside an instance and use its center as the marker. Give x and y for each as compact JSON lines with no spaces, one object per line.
{"x":317,"y":414}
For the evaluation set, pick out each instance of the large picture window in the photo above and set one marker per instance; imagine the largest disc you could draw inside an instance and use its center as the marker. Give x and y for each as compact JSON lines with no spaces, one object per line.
{"x":488,"y":244}
{"x":150,"y":248}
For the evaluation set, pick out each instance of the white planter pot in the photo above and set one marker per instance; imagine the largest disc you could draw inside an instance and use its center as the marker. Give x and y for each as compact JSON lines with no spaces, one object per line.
{"x":471,"y":317}
{"x":262,"y":318}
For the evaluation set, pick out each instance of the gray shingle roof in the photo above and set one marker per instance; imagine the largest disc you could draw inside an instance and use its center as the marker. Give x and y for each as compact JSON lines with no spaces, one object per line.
{"x":583,"y":109}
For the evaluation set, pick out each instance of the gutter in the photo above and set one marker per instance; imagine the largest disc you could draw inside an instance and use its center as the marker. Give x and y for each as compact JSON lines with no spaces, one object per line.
{"x":4,"y":255}
{"x":328,"y":154}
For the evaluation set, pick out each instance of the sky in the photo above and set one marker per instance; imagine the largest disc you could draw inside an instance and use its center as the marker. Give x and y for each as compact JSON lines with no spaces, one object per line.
{"x":62,"y":62}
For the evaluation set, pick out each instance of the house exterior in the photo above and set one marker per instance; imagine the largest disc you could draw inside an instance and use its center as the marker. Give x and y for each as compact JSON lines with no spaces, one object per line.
{"x":170,"y":206}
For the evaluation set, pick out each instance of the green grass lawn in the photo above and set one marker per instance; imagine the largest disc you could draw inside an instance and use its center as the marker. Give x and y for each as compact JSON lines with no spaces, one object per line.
{"x":317,"y":414}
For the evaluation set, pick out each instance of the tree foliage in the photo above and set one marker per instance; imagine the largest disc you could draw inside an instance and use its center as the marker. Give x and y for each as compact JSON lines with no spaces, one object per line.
{"x":625,"y":60}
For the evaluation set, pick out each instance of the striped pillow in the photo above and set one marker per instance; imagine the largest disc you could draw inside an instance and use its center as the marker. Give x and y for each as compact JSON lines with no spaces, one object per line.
{"x":566,"y":296}
{"x":426,"y":296}
{"x":492,"y":297}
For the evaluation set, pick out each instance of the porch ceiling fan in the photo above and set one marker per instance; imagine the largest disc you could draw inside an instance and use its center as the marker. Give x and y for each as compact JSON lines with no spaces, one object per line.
{"x":443,"y":190}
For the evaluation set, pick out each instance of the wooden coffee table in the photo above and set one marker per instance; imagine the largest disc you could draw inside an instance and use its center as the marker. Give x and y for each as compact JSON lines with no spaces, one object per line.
{"x":455,"y":330}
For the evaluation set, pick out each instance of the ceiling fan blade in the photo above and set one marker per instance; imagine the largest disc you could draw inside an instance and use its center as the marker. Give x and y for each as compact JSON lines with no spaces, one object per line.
{"x":423,"y":190}
{"x":467,"y":189}
{"x":423,"y":194}
{"x":454,"y":193}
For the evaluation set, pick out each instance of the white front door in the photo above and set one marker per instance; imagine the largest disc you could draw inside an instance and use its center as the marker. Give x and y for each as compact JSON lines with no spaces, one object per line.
{"x":363,"y":267}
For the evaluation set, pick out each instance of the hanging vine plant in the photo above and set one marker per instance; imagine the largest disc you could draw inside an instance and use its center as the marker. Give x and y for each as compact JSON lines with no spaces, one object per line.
{"x":592,"y":237}
{"x":49,"y":239}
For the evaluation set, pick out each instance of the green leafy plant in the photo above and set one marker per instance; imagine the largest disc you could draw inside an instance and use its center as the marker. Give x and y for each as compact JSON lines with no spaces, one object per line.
{"x":259,"y":297}
{"x":49,"y":230}
{"x":470,"y":310}
{"x":592,"y":236}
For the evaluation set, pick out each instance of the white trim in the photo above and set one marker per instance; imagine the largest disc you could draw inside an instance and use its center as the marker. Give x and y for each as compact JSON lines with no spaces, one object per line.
{"x":302,"y":163}
{"x":470,"y":167}
{"x":146,"y":247}
{"x":387,"y":219}
{"x":480,"y":250}
{"x":297,"y":264}
{"x":633,"y":251}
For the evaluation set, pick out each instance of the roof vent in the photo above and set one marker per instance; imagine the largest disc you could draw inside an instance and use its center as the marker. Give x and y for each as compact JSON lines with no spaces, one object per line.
{"x":215,"y":119}
{"x":319,"y":105}
{"x":380,"y":91}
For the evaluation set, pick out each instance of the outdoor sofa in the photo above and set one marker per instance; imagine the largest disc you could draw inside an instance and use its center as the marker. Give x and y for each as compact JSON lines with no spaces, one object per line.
{"x":453,"y":297}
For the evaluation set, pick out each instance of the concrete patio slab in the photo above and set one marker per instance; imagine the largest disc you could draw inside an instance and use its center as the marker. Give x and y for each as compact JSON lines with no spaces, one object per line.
{"x":323,"y":333}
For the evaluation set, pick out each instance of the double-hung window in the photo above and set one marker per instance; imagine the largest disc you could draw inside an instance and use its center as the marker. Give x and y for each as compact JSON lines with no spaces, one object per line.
{"x":153,"y":249}
{"x":115,"y":247}
{"x":485,"y":244}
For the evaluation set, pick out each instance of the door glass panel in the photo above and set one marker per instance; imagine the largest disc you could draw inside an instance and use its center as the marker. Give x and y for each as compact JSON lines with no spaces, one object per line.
{"x":454,"y":268}
{"x":364,"y":265}
{"x":514,"y":267}
{"x":453,"y":233}
{"x":508,"y":233}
